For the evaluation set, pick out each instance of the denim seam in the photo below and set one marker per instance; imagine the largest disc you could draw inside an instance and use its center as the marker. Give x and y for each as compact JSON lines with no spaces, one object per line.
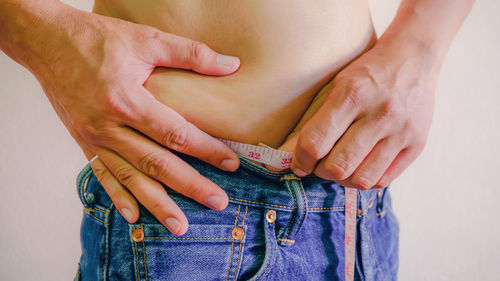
{"x":260,"y":203}
{"x":305,"y":207}
{"x":137,"y":261}
{"x":232,"y":244}
{"x":289,"y":226}
{"x":88,"y":213}
{"x":96,"y":209}
{"x":187,"y":238}
{"x":286,"y":240}
{"x":269,"y":250}
{"x":380,"y":270}
{"x":290,"y":177}
{"x":145,"y":259}
{"x":106,"y":241}
{"x":275,"y":256}
{"x":241,"y":244}
{"x":326,"y":208}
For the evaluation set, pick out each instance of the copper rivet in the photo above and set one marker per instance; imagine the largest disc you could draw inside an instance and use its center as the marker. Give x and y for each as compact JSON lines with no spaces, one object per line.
{"x":271,"y":216}
{"x":137,"y":235}
{"x":238,"y":233}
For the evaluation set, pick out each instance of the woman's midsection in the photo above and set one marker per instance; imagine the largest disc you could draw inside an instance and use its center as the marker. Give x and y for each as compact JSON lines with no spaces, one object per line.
{"x":288,"y":52}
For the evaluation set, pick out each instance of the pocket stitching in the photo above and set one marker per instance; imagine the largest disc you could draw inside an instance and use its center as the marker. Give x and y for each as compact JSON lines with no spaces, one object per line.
{"x":232,"y":244}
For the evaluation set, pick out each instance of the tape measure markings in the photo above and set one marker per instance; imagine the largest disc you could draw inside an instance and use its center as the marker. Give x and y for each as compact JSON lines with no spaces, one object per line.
{"x":265,"y":154}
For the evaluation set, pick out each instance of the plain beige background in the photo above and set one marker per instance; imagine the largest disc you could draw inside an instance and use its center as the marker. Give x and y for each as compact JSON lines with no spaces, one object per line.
{"x":446,"y":201}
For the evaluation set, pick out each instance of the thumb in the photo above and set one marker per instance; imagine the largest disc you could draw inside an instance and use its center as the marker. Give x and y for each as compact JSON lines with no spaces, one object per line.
{"x":288,"y":145}
{"x":178,"y":52}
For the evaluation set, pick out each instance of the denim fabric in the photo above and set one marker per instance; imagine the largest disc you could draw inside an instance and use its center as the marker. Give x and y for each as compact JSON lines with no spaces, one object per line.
{"x":303,"y":241}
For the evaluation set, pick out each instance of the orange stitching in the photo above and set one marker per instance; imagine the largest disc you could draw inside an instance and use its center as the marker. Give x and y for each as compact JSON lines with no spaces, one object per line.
{"x":291,"y":177}
{"x":137,"y":260}
{"x":237,"y":214}
{"x":95,"y":209}
{"x":246,"y":210}
{"x":371,"y":205}
{"x":88,"y":213}
{"x":232,"y":244}
{"x":286,"y":240}
{"x":381,"y":213}
{"x":241,"y":243}
{"x":86,"y":183}
{"x":144,"y":253}
{"x":266,"y":204}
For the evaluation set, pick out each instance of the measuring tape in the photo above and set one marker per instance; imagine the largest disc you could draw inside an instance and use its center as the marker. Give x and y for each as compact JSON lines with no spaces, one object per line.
{"x":282,"y":159}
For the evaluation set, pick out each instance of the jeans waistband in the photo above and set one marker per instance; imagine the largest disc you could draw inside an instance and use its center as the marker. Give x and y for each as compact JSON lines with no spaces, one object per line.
{"x":252,"y":184}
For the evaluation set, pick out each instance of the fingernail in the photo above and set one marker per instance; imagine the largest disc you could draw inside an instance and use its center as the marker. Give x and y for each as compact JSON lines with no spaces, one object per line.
{"x":229,"y":164}
{"x":228,"y":62}
{"x":216,"y":202}
{"x":173,"y":225}
{"x":299,"y":172}
{"x":127,"y":214}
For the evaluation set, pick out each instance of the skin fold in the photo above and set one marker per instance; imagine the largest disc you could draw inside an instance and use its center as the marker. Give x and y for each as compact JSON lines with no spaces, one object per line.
{"x":137,"y":78}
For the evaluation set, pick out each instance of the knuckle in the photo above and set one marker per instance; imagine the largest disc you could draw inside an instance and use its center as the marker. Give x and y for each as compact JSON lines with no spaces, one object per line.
{"x":193,"y":190}
{"x":340,"y":167}
{"x":354,"y":94}
{"x":178,"y":138}
{"x":391,"y":111}
{"x":313,"y":146}
{"x":197,"y":50}
{"x":126,"y":175}
{"x":363,"y":181}
{"x":100,"y":173}
{"x":97,"y":135}
{"x":155,"y":165}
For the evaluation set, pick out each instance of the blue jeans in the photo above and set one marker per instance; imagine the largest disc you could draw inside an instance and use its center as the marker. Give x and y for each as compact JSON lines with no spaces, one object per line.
{"x":277,"y":227}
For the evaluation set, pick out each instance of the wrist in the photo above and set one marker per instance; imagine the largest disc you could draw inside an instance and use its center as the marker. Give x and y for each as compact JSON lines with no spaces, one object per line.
{"x":28,"y":30}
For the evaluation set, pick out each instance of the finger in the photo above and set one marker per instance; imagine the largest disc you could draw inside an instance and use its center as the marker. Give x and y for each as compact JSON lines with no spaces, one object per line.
{"x":399,"y":164}
{"x":350,"y":150}
{"x":171,"y":50}
{"x":161,"y":164}
{"x":320,"y":133}
{"x":374,"y":165}
{"x":170,"y":129}
{"x":148,"y":191}
{"x":122,"y":199}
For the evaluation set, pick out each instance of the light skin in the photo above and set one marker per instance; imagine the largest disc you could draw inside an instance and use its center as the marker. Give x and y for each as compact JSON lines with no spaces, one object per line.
{"x":362,"y":130}
{"x":372,"y":121}
{"x":92,"y":69}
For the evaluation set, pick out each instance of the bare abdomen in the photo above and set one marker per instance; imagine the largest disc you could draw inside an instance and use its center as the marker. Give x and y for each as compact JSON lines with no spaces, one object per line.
{"x":288,"y":51}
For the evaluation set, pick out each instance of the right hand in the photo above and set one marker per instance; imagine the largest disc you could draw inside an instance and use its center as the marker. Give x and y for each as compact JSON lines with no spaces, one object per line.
{"x":97,"y":69}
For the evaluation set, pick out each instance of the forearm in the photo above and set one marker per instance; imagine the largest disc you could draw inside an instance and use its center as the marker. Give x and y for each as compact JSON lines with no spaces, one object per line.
{"x":427,"y":26}
{"x":25,"y":28}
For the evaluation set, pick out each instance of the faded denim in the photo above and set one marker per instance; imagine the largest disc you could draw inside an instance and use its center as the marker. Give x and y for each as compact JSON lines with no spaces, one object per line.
{"x":304,"y":240}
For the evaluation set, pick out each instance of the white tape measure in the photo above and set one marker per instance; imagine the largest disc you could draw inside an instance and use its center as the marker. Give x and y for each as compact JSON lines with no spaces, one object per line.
{"x":282,"y":159}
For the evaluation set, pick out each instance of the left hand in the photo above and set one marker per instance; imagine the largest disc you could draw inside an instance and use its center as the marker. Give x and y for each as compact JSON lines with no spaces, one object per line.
{"x":370,"y":122}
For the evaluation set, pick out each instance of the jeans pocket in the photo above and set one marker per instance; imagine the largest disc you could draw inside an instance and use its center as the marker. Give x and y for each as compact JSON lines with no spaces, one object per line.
{"x":384,"y":229}
{"x":204,"y":252}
